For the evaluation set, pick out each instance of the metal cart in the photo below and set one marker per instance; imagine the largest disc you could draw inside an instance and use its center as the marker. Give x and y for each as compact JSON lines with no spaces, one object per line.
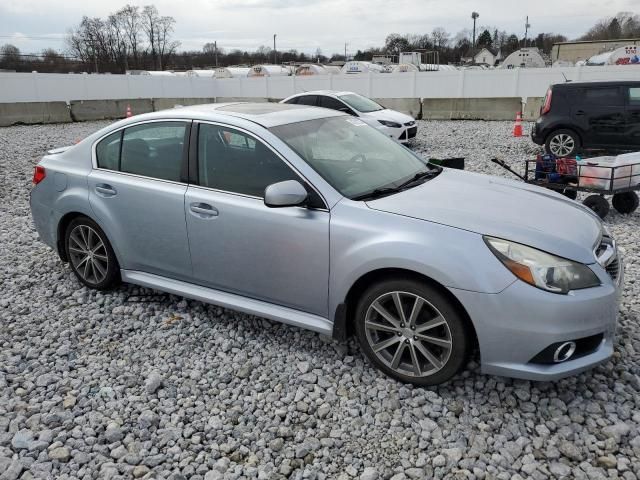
{"x":621,"y":184}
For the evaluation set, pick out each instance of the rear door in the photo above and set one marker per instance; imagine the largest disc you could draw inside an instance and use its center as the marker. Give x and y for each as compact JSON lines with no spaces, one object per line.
{"x":602,"y":112}
{"x":136,"y":191}
{"x":633,"y":115}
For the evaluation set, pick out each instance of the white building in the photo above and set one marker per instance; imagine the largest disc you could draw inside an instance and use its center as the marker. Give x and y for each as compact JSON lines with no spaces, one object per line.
{"x":485,"y":56}
{"x":524,"y":58}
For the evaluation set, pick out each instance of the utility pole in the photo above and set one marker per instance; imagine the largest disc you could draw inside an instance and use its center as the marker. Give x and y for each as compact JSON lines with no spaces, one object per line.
{"x":345,"y":51}
{"x":527,"y":25}
{"x":215,"y":48}
{"x":275,"y":52}
{"x":474,"y":15}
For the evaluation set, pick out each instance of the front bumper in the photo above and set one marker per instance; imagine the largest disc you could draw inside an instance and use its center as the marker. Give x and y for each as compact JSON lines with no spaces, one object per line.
{"x":536,"y":134}
{"x":515,"y":325}
{"x":404,"y":134}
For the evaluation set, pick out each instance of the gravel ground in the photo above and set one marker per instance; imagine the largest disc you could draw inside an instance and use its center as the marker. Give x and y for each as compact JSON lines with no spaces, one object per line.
{"x":136,"y":383}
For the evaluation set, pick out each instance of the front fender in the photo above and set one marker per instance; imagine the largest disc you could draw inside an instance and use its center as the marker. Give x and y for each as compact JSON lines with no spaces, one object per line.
{"x":365,"y":240}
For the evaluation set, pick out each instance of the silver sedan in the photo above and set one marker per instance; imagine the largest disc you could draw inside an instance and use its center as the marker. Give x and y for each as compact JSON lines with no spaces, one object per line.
{"x":313,"y":218}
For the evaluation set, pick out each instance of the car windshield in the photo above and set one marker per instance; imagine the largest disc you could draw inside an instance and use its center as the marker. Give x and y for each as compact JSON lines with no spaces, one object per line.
{"x":354,"y":158}
{"x":360,"y":103}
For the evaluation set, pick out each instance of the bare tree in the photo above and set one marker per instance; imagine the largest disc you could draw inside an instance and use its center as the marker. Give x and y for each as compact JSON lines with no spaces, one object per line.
{"x":130,"y":16}
{"x":149,"y":20}
{"x":440,"y":37}
{"x":165,"y":46}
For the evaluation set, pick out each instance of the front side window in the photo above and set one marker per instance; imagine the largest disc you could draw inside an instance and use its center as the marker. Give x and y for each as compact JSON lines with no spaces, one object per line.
{"x":332,"y":103}
{"x":152,"y":149}
{"x":634,"y":95}
{"x":360,"y":103}
{"x":236,"y":162}
{"x":350,"y":155}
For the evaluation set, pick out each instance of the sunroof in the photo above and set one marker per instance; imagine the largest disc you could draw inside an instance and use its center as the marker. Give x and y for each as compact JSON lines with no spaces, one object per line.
{"x":258,"y":108}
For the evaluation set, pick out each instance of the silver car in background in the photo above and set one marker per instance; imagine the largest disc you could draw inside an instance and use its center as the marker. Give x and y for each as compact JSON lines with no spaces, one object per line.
{"x":311,"y":217}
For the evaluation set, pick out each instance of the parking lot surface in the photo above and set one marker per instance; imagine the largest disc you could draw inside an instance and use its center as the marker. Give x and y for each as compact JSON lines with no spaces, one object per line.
{"x":135,"y":383}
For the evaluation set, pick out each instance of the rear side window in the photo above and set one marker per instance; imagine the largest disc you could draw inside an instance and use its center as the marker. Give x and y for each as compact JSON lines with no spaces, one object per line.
{"x":634,"y":95}
{"x":308,"y":100}
{"x":332,"y":103}
{"x":293,"y":100}
{"x":232,"y":161}
{"x":108,"y":151}
{"x":152,"y":150}
{"x":607,"y":96}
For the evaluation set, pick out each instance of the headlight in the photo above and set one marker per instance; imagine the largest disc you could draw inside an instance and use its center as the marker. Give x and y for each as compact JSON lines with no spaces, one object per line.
{"x":387,"y":123}
{"x":540,"y":269}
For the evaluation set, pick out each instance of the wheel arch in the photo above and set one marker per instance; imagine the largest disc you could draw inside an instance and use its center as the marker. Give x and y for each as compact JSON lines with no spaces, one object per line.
{"x":64,"y":222}
{"x":343,"y":326}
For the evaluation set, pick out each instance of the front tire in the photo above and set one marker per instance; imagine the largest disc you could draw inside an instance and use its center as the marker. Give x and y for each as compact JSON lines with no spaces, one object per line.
{"x":411,"y":332}
{"x":90,"y":254}
{"x":562,"y":143}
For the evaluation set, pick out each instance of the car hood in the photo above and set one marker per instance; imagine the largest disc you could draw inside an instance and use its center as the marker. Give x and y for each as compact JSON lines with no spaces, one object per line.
{"x":501,"y":208}
{"x":390,"y":115}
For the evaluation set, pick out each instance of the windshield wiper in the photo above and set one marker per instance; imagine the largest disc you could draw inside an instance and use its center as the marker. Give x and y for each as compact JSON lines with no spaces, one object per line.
{"x":419,"y":176}
{"x":381,"y":192}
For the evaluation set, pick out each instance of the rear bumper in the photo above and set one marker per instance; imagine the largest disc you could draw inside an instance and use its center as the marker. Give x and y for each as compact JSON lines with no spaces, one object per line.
{"x":537,"y":134}
{"x":517,"y":324}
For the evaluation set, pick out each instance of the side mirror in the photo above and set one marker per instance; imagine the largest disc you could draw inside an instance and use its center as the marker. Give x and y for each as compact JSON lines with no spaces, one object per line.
{"x":289,"y":193}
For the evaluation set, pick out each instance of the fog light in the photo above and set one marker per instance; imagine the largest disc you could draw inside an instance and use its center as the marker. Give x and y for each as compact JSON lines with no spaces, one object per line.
{"x":564,"y":352}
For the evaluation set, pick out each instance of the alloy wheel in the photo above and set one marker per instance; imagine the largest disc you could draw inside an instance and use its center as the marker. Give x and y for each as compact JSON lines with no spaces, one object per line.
{"x":408,"y":334}
{"x":88,"y":254}
{"x":562,"y":144}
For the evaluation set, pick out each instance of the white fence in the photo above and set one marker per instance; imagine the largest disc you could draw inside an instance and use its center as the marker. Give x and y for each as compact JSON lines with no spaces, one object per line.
{"x":43,"y":87}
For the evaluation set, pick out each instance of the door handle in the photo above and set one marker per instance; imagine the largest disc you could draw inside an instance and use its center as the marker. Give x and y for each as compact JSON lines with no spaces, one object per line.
{"x":105,"y":190}
{"x":203,"y":210}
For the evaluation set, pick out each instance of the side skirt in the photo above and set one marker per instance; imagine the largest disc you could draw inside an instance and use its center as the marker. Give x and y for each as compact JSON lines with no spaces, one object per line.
{"x":231,"y":301}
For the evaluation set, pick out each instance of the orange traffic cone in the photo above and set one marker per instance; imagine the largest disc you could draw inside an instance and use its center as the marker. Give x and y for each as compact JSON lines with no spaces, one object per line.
{"x":517,"y":128}
{"x":129,"y":114}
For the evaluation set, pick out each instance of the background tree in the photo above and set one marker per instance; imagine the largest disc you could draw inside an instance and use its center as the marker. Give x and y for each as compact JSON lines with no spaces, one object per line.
{"x":485,"y":39}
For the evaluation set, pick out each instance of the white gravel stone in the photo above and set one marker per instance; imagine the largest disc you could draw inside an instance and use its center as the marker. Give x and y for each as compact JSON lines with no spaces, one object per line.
{"x":108,"y":387}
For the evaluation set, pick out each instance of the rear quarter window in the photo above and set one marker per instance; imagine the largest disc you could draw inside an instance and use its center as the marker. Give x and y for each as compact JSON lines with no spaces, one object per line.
{"x":602,"y":96}
{"x":108,"y":151}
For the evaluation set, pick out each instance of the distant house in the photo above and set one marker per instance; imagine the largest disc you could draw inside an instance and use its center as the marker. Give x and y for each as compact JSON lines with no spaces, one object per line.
{"x":486,"y":57}
{"x":529,"y":57}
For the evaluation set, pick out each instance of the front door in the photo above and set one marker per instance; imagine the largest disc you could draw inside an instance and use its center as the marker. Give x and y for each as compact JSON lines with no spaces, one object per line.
{"x":601,"y":112}
{"x":239,"y":245}
{"x":137,"y":196}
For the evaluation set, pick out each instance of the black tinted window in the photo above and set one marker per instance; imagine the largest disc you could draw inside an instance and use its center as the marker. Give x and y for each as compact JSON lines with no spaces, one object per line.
{"x":609,"y":96}
{"x":235,"y":162}
{"x":307,"y":100}
{"x":332,"y":103}
{"x":634,"y":95}
{"x":293,"y":100}
{"x":154,"y":150}
{"x":108,"y":152}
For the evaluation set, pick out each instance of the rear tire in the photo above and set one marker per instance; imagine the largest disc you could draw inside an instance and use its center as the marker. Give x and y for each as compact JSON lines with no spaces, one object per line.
{"x":424,"y":341}
{"x":90,"y":254}
{"x":598,"y":204}
{"x":562,"y":143}
{"x":626,"y":202}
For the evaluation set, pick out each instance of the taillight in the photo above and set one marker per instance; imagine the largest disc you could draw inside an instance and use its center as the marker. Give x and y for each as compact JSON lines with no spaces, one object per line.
{"x":546,"y":107}
{"x":38,"y":174}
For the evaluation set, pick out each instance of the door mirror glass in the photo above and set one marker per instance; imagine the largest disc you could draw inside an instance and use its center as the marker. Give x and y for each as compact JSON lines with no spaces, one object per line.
{"x":289,"y":193}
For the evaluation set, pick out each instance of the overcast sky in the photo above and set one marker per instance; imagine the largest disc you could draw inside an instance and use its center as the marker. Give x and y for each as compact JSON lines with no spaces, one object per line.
{"x":306,"y":24}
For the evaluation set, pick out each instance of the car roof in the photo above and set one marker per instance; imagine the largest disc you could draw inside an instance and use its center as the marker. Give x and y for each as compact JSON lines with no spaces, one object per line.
{"x":266,"y":114}
{"x":598,"y":83}
{"x":333,"y":93}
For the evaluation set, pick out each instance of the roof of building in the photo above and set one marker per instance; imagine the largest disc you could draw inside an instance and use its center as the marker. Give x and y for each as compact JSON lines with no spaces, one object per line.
{"x":620,"y":40}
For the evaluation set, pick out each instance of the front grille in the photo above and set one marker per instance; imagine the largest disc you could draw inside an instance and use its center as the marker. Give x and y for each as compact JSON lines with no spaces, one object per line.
{"x":613,"y":269}
{"x":412,"y":132}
